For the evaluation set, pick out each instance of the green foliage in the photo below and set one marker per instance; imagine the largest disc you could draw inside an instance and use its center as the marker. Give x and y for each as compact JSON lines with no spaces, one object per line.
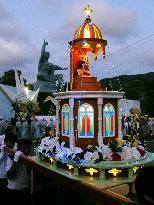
{"x":28,"y":107}
{"x":29,"y":86}
{"x":114,"y":146}
{"x":136,"y":113}
{"x":91,"y":148}
{"x":8,"y":78}
{"x":19,"y":107}
{"x":32,"y":107}
{"x":136,"y":87}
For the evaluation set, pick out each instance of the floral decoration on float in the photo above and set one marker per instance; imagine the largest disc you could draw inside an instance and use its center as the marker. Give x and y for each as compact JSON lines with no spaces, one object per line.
{"x":117,"y":150}
{"x":119,"y":158}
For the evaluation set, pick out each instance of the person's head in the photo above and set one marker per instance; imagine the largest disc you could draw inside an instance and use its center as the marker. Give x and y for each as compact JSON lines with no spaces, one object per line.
{"x":10,"y":139}
{"x":10,"y":128}
{"x":24,"y":145}
{"x":144,"y":183}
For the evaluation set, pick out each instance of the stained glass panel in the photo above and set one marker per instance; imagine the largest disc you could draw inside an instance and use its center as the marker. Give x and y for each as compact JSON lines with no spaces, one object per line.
{"x":86,"y":121}
{"x":109,"y":120}
{"x":65,"y":120}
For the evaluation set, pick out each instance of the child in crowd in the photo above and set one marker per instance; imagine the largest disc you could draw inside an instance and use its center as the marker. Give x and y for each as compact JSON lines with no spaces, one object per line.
{"x":8,"y":141}
{"x":18,"y":180}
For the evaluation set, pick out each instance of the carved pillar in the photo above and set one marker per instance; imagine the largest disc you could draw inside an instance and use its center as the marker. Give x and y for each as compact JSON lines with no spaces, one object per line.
{"x":57,"y":118}
{"x":119,"y":118}
{"x":71,"y":127}
{"x":100,"y":114}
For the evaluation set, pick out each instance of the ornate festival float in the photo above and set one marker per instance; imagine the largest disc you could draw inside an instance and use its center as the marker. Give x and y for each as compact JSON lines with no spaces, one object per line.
{"x":88,"y":119}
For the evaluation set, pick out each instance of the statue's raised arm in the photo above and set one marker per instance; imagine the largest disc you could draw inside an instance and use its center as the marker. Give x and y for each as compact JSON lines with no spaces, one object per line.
{"x":56,"y":67}
{"x":45,"y":43}
{"x":46,"y":69}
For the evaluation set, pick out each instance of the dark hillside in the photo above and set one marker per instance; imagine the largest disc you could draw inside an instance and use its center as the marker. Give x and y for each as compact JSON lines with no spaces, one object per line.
{"x":136,"y":87}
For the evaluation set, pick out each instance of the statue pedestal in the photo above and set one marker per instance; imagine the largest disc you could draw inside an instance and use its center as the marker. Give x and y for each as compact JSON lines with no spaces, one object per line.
{"x":87,"y":83}
{"x":45,"y":86}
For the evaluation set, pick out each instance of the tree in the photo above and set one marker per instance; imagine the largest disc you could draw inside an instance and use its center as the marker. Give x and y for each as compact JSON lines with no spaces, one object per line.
{"x":136,"y":87}
{"x":22,"y":108}
{"x":9,"y":79}
{"x":136,"y":112}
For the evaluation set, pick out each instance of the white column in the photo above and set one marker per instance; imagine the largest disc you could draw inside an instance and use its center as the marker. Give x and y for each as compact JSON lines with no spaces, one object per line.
{"x":119,"y":118}
{"x":100,"y":114}
{"x":57,"y":117}
{"x":71,"y":127}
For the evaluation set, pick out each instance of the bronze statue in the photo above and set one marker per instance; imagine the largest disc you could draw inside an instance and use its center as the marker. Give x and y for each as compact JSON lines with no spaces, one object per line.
{"x":45,"y":69}
{"x":83,"y":67}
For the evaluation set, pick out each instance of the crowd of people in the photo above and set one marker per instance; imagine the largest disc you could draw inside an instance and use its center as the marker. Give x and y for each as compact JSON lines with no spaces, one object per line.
{"x":14,"y":179}
{"x":4,"y":122}
{"x":14,"y":175}
{"x":36,"y":128}
{"x":142,"y":127}
{"x":20,"y":137}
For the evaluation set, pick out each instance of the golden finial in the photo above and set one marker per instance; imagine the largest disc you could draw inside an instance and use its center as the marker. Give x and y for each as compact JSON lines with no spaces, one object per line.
{"x":88,"y":10}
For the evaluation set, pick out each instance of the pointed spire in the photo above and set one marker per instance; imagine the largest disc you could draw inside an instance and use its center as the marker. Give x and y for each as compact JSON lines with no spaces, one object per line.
{"x":34,"y":95}
{"x":18,"y":83}
{"x":21,"y":93}
{"x":22,"y":83}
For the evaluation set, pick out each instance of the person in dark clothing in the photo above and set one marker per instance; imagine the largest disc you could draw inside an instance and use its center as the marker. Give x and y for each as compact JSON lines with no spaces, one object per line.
{"x":144,"y":186}
{"x":144,"y":130}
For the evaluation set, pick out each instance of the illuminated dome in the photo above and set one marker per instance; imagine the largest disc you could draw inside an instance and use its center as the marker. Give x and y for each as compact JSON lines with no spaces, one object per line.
{"x":88,"y":30}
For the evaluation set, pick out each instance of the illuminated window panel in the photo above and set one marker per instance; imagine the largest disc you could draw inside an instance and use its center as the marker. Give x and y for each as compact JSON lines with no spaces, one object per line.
{"x":86,"y":121}
{"x":65,"y":120}
{"x":86,"y":45}
{"x":109,"y":120}
{"x":86,"y":32}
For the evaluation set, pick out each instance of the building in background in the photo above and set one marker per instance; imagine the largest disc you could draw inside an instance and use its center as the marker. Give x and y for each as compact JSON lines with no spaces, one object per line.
{"x":5,"y":101}
{"x":10,"y":93}
{"x":127,"y":104}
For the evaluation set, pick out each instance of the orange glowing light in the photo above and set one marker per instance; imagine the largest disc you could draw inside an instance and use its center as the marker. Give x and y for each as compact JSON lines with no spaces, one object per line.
{"x":86,"y":32}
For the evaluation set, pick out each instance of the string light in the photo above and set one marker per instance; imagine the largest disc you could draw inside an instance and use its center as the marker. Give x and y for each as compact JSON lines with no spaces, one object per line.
{"x":110,"y":83}
{"x":114,"y":67}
